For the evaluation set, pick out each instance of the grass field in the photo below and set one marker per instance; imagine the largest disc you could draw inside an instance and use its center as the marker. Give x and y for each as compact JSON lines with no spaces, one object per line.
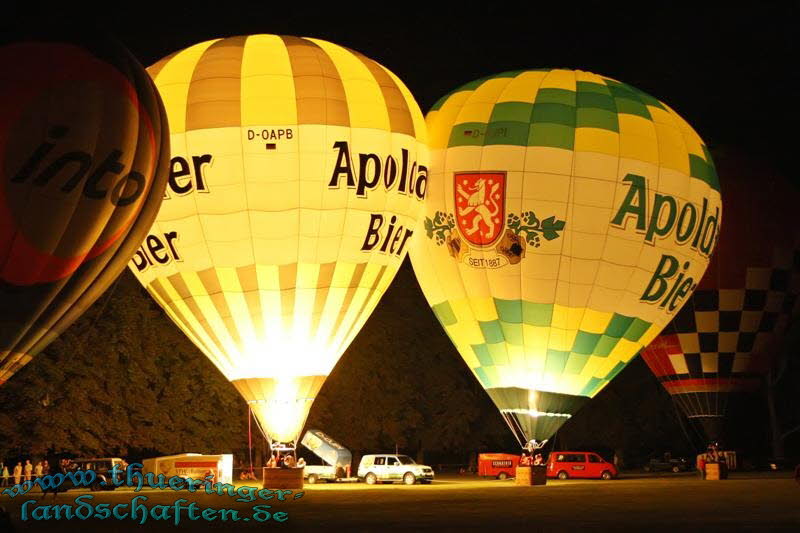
{"x":678,"y":502}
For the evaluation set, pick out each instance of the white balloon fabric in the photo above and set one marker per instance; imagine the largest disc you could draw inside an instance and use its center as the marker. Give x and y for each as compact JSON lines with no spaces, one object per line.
{"x":298,"y":173}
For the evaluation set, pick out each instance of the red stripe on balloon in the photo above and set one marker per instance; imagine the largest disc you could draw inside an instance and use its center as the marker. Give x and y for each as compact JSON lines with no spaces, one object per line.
{"x":724,"y":384}
{"x":20,"y":262}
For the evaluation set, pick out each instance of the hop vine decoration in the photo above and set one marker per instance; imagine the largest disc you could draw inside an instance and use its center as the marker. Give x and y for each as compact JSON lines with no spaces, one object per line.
{"x":440,"y":226}
{"x":534,"y":229}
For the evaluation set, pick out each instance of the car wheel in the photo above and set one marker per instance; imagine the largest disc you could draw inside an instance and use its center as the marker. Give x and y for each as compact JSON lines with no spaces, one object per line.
{"x":312,"y":479}
{"x":563,"y":475}
{"x":502,"y":475}
{"x":371,"y":479}
{"x":409,"y":478}
{"x":606,"y":475}
{"x":676,"y":469}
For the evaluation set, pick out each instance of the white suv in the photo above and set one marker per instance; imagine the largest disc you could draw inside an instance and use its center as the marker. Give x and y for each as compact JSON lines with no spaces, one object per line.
{"x":390,"y":467}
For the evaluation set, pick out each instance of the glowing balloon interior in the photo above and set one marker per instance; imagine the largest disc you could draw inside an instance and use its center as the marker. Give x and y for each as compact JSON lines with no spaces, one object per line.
{"x":298,"y":173}
{"x":568,"y":219}
{"x":85,"y":153}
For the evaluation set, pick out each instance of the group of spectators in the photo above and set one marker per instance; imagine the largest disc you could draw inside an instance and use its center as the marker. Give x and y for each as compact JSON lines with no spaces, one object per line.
{"x":277,"y":460}
{"x":531,"y":455}
{"x":713,"y":455}
{"x":285,"y":460}
{"x":20,"y":472}
{"x":29,"y":471}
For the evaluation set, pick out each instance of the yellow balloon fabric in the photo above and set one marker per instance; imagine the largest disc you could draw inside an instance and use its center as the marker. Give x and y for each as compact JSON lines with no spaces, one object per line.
{"x":298,"y":173}
{"x":569,"y":217}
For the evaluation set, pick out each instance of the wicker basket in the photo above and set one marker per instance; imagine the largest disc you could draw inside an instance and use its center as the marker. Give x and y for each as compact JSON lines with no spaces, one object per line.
{"x":283,"y":478}
{"x":531,"y":475}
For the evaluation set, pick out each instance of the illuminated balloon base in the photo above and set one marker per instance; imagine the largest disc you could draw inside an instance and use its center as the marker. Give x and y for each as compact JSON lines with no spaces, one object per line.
{"x":533,"y":414}
{"x":281,"y":404}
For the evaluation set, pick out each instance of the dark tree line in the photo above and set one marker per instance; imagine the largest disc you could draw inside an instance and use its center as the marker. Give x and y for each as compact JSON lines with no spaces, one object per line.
{"x":124,"y":381}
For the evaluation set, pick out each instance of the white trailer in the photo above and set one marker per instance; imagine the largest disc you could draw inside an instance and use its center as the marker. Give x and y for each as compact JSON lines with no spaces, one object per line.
{"x":192,"y":465}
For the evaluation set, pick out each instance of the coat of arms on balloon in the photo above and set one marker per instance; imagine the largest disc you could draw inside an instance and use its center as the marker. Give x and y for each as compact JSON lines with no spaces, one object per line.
{"x":483,"y":226}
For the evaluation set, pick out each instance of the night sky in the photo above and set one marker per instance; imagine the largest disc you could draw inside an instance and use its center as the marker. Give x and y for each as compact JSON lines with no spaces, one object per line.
{"x":729,"y":71}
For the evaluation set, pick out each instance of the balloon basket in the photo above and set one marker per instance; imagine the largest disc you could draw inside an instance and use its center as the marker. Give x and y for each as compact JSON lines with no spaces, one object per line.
{"x":528,"y":476}
{"x":282,"y":478}
{"x":716,"y":471}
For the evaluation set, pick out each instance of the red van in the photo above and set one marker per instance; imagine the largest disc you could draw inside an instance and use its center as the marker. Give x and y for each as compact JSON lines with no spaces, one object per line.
{"x":499,"y":465}
{"x":565,"y":465}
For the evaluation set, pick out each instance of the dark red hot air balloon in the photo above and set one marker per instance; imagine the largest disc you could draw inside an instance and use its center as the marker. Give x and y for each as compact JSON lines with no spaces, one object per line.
{"x":84,"y":155}
{"x":724,"y":339}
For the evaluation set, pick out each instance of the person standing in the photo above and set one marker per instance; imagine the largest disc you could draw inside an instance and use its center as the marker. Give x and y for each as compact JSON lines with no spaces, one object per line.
{"x":5,"y":476}
{"x":18,"y":474}
{"x":37,"y":470}
{"x":28,"y":470}
{"x":701,"y":465}
{"x":45,"y":468}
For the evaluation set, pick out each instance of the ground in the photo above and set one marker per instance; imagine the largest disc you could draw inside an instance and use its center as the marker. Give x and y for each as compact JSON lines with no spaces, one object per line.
{"x":667,"y":502}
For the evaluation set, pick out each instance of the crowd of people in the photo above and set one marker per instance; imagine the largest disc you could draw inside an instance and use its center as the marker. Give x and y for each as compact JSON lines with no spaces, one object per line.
{"x":30,"y":471}
{"x":285,"y":460}
{"x":531,"y":455}
{"x":20,"y":473}
{"x":277,"y":460}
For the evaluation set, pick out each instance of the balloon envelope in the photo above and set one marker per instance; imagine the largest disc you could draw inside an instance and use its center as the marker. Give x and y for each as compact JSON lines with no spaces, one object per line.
{"x":84,"y":144}
{"x":568,"y":218}
{"x":725,"y":338}
{"x":298,"y":173}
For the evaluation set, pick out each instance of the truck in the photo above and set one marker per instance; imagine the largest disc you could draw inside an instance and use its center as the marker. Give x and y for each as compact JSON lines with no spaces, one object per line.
{"x":667,"y":463}
{"x":338,"y":459}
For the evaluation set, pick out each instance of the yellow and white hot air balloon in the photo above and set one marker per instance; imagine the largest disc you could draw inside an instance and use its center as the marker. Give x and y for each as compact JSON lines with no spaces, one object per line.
{"x":569,"y":217}
{"x":298,"y":173}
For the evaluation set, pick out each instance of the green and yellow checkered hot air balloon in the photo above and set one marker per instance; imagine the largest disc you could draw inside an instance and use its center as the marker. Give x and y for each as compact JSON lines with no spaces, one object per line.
{"x":568,"y":218}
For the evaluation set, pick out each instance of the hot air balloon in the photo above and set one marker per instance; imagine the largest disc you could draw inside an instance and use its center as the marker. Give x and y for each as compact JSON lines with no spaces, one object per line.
{"x":725,"y":338}
{"x":298,"y":173}
{"x":84,"y":166}
{"x":569,"y":217}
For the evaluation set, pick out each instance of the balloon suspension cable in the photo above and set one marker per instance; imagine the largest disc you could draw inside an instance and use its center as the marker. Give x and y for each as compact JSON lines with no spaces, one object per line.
{"x":679,"y":415}
{"x":280,"y":446}
{"x":534,"y":446}
{"x":250,"y":436}
{"x":258,"y":425}
{"x":516,"y":428}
